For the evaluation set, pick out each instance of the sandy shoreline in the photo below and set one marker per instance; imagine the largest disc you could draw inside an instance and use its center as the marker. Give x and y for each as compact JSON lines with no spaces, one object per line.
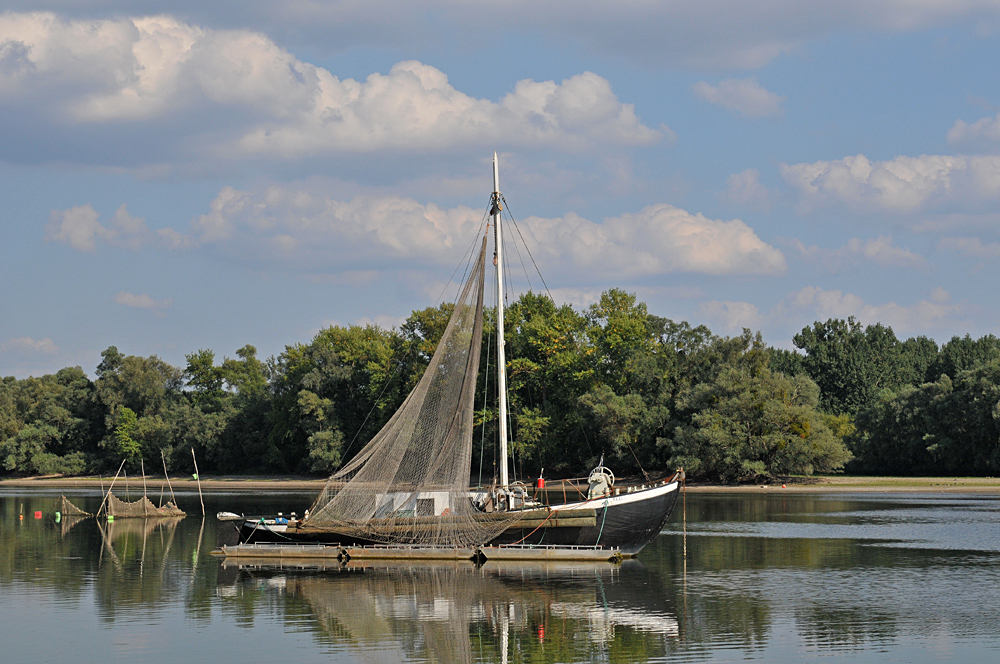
{"x":835,"y":484}
{"x":234,"y":483}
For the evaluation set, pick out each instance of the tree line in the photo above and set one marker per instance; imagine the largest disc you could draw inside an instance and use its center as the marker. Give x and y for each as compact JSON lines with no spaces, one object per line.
{"x":646,"y":393}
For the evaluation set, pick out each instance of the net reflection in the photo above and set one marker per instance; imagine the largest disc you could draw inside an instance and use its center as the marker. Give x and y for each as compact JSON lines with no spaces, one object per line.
{"x":460,"y":613}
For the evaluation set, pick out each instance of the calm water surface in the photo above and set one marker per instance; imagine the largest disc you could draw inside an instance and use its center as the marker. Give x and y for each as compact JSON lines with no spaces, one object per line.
{"x":767,"y":577}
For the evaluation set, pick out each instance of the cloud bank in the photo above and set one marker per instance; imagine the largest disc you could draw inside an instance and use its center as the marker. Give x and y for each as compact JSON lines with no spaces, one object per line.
{"x":79,"y":227}
{"x":142,"y":301}
{"x":299,"y":229}
{"x":26,"y":344}
{"x":233,"y":94}
{"x":712,"y":34}
{"x":984,"y":132}
{"x":936,"y":311}
{"x":903,"y":184}
{"x":879,"y":251}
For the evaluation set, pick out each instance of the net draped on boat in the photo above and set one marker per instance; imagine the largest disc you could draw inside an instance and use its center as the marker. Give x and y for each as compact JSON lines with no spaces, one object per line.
{"x":141,"y":508}
{"x":410,"y":483}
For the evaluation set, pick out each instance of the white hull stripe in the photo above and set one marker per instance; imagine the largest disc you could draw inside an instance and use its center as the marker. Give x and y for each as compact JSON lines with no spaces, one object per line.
{"x":623,"y":499}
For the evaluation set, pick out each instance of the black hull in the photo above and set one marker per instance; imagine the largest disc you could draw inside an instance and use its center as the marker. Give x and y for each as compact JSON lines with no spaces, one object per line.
{"x":626,"y":522}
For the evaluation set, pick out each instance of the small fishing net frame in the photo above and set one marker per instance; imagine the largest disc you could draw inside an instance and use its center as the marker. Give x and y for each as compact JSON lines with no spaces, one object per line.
{"x":410,"y":483}
{"x":142,"y":508}
{"x":69,"y":509}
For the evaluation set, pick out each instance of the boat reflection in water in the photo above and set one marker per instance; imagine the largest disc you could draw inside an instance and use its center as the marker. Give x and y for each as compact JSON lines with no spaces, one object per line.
{"x":461,"y":613}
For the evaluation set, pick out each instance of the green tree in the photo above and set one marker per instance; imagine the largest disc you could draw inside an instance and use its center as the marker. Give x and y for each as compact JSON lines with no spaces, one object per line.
{"x":917,"y":357}
{"x":787,"y":362}
{"x":151,"y":390}
{"x":361,"y":371}
{"x":963,"y":353}
{"x":203,"y":377}
{"x":850,"y":363}
{"x":325,"y":440}
{"x":48,"y":424}
{"x":624,"y":424}
{"x":126,"y":446}
{"x":246,"y":375}
{"x":618,"y":329}
{"x":944,"y":427}
{"x":751,"y":422}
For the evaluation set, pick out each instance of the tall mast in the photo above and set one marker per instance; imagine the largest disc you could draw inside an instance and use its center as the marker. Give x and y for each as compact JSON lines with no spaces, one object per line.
{"x":501,"y":357}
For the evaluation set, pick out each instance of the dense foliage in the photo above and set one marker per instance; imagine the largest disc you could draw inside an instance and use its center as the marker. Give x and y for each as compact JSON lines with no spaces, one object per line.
{"x":646,"y":393}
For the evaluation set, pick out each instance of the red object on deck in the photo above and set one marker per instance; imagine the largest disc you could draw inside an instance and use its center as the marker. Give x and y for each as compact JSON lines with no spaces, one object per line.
{"x":38,"y":515}
{"x":540,"y":483}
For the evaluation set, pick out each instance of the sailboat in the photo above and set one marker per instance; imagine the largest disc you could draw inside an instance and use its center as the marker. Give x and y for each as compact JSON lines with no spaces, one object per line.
{"x":409,"y":485}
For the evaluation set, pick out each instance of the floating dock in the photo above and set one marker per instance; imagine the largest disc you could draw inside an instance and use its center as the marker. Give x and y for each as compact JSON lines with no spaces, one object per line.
{"x":402,"y":552}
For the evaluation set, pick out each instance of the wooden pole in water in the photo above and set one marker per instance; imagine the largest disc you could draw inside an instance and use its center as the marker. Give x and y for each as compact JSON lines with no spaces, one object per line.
{"x":684,"y":516}
{"x":142,"y":467}
{"x":110,"y":488}
{"x":165,"y":474}
{"x":197,"y":476}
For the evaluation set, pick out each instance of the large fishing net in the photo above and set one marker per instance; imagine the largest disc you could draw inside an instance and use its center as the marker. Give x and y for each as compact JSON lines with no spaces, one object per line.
{"x":142,"y":508}
{"x":410,"y":483}
{"x":69,"y":509}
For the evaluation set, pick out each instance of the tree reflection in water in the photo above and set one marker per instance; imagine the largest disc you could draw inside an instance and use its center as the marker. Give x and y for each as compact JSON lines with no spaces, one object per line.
{"x":461,"y":613}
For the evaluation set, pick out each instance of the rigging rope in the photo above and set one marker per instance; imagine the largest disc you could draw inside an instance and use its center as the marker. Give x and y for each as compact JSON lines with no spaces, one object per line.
{"x":518,"y":229}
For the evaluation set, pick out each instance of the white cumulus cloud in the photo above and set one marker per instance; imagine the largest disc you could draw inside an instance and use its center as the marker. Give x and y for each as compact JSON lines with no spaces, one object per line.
{"x":79,"y":228}
{"x":143,"y":301}
{"x":305,"y":229}
{"x":934,"y":312}
{"x":970,"y":246}
{"x":983,"y":131}
{"x":717,"y":34}
{"x":903,"y":184}
{"x":745,"y":96}
{"x":229,"y":94}
{"x":43,"y":346}
{"x":731,"y":316}
{"x":745,"y":189}
{"x":657,"y":239}
{"x":880,"y":251}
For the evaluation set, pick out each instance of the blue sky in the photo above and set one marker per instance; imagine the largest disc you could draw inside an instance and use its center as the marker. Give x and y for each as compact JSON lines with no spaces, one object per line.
{"x":178,"y":175}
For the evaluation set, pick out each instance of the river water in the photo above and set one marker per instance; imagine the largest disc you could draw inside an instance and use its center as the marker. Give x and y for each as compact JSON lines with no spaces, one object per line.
{"x":766,"y":576}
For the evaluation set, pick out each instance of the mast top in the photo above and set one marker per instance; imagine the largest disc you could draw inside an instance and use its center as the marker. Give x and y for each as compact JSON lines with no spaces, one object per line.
{"x":496,"y":174}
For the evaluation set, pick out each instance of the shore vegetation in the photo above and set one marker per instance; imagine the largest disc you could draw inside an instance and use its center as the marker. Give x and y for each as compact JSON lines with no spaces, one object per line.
{"x":613,"y":380}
